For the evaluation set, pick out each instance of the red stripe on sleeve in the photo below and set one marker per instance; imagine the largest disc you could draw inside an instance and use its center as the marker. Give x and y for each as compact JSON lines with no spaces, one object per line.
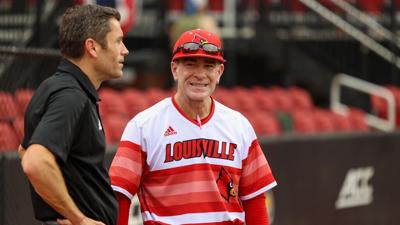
{"x":256,"y":171}
{"x":128,"y":166}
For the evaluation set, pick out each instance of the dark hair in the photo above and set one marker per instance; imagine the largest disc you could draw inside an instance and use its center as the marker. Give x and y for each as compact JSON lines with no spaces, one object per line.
{"x":82,"y":22}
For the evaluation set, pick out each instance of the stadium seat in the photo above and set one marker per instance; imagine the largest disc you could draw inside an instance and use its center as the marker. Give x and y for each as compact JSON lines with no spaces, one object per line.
{"x":371,"y":6}
{"x":324,"y":120}
{"x":264,"y":124}
{"x":224,"y":96}
{"x":23,"y":96}
{"x":343,"y":123}
{"x":8,"y":107}
{"x":155,"y":95}
{"x":216,"y":5}
{"x":330,"y":5}
{"x":301,"y":99}
{"x":295,"y":5}
{"x":8,"y":138}
{"x":357,"y":119}
{"x":114,"y":126}
{"x":175,"y":5}
{"x":245,"y":99}
{"x":282,"y":99}
{"x":112,"y":103}
{"x":303,"y":122}
{"x":135,"y":101}
{"x":265,"y":99}
{"x":379,"y":105}
{"x":18,"y":125}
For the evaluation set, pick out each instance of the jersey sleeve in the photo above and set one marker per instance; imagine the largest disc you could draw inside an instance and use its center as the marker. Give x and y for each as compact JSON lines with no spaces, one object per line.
{"x":257,"y":176}
{"x":57,"y":127}
{"x":129,"y":163}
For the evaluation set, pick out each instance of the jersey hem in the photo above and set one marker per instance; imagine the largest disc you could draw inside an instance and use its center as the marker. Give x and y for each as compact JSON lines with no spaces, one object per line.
{"x":122,"y":191}
{"x":260,"y":191}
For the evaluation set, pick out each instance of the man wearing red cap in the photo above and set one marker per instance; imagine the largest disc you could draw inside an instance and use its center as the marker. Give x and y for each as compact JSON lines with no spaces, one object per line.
{"x":190,"y":159}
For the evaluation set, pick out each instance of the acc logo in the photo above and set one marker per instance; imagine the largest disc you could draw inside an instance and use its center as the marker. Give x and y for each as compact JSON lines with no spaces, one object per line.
{"x":355,"y":189}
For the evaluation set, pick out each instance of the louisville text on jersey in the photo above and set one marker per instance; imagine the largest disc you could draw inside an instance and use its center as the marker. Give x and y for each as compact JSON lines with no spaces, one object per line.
{"x":199,"y":148}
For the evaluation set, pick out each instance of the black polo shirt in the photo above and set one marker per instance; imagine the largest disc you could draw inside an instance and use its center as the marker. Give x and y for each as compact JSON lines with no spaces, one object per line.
{"x":63,"y":116}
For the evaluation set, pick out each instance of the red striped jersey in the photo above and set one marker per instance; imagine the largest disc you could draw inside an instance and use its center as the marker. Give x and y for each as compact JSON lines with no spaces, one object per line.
{"x":190,"y":172}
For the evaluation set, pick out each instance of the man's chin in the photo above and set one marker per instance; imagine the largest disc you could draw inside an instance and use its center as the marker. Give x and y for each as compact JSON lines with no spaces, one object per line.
{"x":117,"y":75}
{"x":199,"y":96}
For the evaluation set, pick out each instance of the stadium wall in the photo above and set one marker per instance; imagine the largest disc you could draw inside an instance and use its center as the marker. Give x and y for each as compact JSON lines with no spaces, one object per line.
{"x":341,"y":179}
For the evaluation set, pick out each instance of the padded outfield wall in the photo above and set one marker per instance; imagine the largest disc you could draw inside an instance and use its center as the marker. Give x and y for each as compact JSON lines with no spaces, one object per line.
{"x":344,"y":179}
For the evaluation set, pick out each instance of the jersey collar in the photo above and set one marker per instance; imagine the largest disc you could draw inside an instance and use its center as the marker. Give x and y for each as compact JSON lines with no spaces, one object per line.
{"x":194,"y":121}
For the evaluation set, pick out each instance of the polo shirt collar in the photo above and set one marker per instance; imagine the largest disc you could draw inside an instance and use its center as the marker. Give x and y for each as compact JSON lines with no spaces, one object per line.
{"x":81,"y":77}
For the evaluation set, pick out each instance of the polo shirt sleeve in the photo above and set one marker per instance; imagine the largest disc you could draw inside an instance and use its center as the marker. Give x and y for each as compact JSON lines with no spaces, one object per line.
{"x":58,"y":125}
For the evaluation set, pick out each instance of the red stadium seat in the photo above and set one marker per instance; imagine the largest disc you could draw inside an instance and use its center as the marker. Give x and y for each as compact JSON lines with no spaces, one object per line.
{"x":343,"y":123}
{"x":114,"y":126}
{"x":224,"y":96}
{"x":330,"y":5}
{"x":379,"y":105}
{"x":304,"y":123}
{"x":282,"y":99}
{"x":301,"y":99}
{"x":135,"y":101}
{"x":175,"y":5}
{"x":371,"y":6}
{"x":216,"y":5}
{"x":23,"y":96}
{"x":245,"y":100}
{"x":155,"y":95}
{"x":8,"y":107}
{"x":8,"y":138}
{"x":295,"y":5}
{"x":324,"y":120}
{"x":357,"y":119}
{"x":267,"y":103}
{"x":265,"y":99}
{"x":112,"y":103}
{"x":264,"y":124}
{"x":18,"y":125}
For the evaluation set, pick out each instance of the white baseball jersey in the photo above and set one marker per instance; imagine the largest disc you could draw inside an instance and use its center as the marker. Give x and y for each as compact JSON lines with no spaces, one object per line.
{"x":190,"y":172}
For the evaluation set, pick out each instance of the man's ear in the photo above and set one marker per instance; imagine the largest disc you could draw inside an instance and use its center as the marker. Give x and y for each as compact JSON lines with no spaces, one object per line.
{"x":220,"y":71}
{"x":91,"y":47}
{"x":174,"y":67}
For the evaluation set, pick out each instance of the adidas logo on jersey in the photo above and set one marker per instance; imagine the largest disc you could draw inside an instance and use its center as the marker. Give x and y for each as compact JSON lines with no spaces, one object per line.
{"x":170,"y":131}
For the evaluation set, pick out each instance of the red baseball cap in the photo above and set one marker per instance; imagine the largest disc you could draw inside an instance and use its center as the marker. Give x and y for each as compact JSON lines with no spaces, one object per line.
{"x":201,"y":37}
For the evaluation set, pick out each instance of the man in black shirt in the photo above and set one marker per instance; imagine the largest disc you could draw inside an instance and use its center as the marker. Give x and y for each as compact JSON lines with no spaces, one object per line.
{"x":63,"y":149}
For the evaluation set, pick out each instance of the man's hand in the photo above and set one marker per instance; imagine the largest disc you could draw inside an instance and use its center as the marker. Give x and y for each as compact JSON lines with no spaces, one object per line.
{"x":85,"y":221}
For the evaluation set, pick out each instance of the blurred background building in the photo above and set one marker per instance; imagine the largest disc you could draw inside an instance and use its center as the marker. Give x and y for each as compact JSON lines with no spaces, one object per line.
{"x":282,"y":56}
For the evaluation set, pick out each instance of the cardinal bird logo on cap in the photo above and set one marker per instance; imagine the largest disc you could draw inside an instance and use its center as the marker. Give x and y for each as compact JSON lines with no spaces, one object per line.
{"x":199,"y":39}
